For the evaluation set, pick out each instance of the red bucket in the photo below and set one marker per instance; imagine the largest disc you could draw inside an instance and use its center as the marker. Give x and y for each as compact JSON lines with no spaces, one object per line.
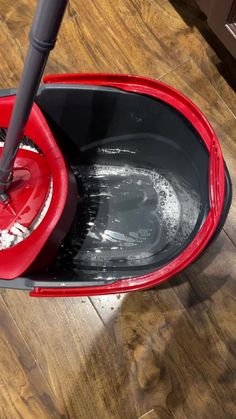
{"x":153,"y":188}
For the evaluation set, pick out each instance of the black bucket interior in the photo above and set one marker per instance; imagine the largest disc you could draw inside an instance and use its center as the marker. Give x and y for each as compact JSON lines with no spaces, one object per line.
{"x":142,"y":176}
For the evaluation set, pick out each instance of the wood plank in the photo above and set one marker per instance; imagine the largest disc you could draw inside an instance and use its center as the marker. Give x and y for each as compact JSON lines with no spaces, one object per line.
{"x":76,"y":354}
{"x":18,"y":16}
{"x":97,"y":39}
{"x":24,"y":392}
{"x":125,"y":43}
{"x":10,"y":59}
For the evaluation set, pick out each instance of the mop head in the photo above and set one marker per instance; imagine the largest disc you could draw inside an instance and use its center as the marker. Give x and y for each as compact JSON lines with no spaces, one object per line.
{"x":19,"y":232}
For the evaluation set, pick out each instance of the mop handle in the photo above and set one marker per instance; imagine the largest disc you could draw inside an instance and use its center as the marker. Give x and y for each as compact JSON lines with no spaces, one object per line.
{"x":43,"y":34}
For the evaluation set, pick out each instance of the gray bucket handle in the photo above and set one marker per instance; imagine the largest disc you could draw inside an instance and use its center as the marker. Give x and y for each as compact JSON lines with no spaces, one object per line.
{"x":43,"y":34}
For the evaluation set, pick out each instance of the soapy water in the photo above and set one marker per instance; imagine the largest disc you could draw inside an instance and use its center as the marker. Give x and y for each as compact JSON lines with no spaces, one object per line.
{"x":129,"y":214}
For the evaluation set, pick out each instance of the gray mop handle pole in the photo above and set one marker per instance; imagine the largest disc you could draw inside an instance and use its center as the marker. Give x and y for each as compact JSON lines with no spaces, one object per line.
{"x":43,"y":34}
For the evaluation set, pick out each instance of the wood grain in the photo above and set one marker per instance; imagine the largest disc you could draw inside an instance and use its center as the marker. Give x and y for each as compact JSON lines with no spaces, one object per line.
{"x":17,"y":17}
{"x":10,"y":59}
{"x":168,"y":352}
{"x":24,"y":391}
{"x":76,"y":354}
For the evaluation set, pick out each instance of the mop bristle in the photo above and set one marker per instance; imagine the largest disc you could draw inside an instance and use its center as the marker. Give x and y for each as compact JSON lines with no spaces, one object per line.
{"x":26,"y":143}
{"x":18,"y":232}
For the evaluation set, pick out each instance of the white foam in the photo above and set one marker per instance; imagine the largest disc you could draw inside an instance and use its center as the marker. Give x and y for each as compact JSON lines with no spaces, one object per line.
{"x":22,"y":146}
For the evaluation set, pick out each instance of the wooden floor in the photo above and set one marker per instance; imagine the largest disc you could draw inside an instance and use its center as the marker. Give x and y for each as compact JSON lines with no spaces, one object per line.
{"x":165,"y":353}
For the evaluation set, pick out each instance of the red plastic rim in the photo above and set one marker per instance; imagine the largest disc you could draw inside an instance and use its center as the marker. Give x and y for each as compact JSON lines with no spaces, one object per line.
{"x":17,"y":259}
{"x":174,"y":98}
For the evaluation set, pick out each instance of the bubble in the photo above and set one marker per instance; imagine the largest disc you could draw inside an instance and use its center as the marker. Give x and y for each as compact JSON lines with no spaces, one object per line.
{"x":163,"y":194}
{"x":174,"y":206}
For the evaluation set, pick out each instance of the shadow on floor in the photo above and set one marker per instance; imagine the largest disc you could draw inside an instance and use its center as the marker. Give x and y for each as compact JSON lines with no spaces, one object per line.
{"x":194,"y":17}
{"x":167,"y":349}
{"x":155,"y":361}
